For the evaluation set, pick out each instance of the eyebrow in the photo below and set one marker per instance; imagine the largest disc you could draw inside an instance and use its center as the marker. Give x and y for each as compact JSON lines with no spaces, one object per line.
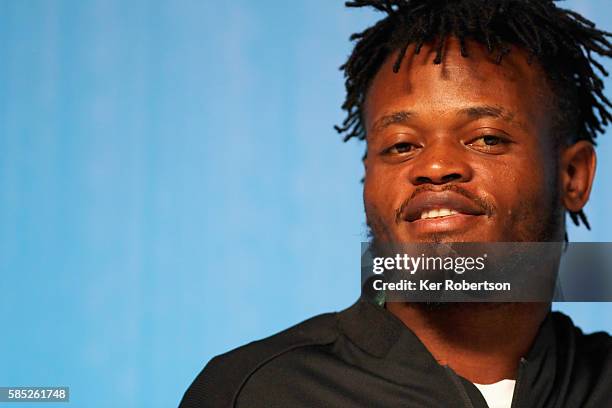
{"x":477,"y":112}
{"x":472,"y":112}
{"x":393,"y":118}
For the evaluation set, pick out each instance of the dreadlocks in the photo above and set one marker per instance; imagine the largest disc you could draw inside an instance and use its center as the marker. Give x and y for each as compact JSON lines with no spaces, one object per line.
{"x":561,"y":40}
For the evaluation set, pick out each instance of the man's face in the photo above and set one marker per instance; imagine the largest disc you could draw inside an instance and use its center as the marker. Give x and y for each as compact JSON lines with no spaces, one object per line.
{"x":462,"y":151}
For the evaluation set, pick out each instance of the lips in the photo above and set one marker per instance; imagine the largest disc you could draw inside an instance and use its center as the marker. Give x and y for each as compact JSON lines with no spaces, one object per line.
{"x":438,"y":205}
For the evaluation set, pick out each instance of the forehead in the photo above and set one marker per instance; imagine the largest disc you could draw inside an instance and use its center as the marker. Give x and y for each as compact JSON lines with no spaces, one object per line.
{"x":459,"y":83}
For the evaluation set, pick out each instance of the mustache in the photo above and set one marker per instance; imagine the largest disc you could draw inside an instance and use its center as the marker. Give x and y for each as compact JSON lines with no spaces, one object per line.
{"x":486,"y":206}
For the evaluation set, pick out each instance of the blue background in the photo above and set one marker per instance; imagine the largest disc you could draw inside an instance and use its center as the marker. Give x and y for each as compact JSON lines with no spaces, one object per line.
{"x":171,"y":187}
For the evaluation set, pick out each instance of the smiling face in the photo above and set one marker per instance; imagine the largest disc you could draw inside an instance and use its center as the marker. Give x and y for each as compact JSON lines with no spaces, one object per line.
{"x":462,"y":151}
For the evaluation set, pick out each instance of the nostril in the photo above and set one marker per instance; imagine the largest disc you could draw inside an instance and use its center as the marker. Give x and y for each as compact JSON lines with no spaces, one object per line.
{"x":423,"y":180}
{"x":441,"y":180}
{"x":451,"y":177}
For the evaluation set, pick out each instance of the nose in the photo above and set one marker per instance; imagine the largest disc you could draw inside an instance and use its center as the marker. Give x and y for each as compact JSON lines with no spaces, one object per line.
{"x":439,"y":164}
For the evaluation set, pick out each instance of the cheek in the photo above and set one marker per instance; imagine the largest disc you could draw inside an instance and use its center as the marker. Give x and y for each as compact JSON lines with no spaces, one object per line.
{"x":520,"y":188}
{"x":373,"y":195}
{"x":373,"y":199}
{"x":382,"y":188}
{"x":383,"y":194}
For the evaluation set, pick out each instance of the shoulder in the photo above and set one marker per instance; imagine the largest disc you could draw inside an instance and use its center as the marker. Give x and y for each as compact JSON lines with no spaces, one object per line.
{"x":597,"y":344}
{"x":220,"y":382}
{"x":587,"y":356}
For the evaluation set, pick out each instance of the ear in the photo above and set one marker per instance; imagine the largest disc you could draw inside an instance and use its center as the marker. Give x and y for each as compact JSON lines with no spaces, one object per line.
{"x":578,"y":163}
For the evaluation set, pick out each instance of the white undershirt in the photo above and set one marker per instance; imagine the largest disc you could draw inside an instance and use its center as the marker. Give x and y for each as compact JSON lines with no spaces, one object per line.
{"x":499,"y":394}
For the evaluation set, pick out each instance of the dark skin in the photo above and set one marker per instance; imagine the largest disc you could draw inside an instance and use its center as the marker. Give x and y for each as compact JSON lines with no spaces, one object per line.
{"x":476,"y":138}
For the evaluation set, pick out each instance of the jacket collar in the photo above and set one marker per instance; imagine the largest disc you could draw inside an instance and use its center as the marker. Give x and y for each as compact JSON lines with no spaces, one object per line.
{"x":372,"y":328}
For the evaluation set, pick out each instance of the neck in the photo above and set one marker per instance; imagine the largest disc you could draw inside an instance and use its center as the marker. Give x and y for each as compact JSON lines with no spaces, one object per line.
{"x":482,"y":342}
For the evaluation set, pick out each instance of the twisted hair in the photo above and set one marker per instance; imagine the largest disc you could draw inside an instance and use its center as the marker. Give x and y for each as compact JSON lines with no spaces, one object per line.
{"x":562,"y":41}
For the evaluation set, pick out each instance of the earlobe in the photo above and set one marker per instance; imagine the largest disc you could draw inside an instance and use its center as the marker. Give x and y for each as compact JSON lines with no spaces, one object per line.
{"x":578,"y":163}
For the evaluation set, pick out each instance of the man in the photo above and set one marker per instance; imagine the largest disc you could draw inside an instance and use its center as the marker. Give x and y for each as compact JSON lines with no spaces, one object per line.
{"x":480,"y":118}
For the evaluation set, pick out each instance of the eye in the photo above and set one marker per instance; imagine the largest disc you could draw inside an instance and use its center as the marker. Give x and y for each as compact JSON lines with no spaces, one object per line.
{"x":487,"y":140}
{"x":400,"y":148}
{"x":489,"y":143}
{"x":491,"y":140}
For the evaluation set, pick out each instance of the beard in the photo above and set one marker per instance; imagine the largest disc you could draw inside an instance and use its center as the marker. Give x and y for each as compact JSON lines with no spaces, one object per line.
{"x":550,"y":228}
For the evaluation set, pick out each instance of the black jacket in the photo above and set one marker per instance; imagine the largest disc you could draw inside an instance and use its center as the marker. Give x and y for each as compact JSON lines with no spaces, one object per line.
{"x":365,"y":357}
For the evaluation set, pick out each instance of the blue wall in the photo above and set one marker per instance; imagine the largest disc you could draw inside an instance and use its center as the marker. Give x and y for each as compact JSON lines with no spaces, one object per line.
{"x":171,"y":187}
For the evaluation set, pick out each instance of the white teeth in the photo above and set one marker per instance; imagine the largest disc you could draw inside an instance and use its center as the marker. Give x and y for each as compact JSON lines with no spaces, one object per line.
{"x":444,"y":212}
{"x":437,"y":213}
